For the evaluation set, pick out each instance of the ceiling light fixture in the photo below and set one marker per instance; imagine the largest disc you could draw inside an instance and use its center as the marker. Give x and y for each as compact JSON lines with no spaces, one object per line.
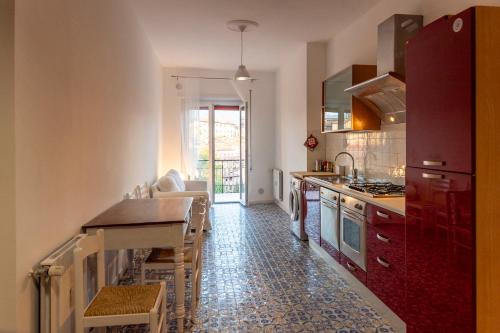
{"x":242,"y":26}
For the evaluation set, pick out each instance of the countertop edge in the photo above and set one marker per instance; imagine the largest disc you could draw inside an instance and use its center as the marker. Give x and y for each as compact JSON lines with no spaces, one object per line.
{"x":303,"y":174}
{"x":374,"y":201}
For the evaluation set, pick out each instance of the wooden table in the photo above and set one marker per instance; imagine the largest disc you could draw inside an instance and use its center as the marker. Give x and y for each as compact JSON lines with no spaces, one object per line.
{"x":148,"y":223}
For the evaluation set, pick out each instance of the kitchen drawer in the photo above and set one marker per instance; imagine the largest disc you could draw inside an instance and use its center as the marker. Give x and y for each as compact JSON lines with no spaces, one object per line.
{"x":354,"y":269}
{"x":386,"y":243}
{"x":386,"y":279}
{"x":389,"y":225}
{"x":378,"y":215}
{"x":386,"y":266}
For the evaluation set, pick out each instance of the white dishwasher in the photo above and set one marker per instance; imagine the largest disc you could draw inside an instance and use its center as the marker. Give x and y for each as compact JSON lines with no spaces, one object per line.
{"x":330,"y":227}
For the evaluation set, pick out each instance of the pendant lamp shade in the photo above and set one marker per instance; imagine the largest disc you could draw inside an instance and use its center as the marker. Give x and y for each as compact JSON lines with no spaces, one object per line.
{"x":242,"y":73}
{"x":241,"y":26}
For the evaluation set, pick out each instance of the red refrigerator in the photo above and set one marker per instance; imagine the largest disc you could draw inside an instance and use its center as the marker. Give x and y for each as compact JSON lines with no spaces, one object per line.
{"x":440,"y":177}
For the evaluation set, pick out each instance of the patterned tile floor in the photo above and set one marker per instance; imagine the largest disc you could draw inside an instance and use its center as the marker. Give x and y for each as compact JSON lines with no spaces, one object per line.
{"x":258,"y":278}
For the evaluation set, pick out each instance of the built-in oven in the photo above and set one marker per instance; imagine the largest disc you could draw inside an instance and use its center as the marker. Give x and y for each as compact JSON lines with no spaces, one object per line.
{"x":353,"y":229}
{"x":330,"y":228}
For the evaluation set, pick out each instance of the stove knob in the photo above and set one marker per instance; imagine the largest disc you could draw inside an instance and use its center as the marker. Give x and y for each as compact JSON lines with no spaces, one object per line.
{"x":358,"y":206}
{"x":342,"y":200}
{"x":335,"y":198}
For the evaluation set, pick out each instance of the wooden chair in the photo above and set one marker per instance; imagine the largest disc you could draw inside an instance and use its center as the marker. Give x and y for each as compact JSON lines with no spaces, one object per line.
{"x":114,"y":305}
{"x":142,"y":191}
{"x":131,"y":195}
{"x":163,"y":259}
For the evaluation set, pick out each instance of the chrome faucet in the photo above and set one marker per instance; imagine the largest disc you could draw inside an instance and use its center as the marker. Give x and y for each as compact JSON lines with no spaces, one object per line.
{"x":354,"y":171}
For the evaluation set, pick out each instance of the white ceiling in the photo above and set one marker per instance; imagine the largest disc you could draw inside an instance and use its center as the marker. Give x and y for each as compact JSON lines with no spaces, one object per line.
{"x":193,"y":33}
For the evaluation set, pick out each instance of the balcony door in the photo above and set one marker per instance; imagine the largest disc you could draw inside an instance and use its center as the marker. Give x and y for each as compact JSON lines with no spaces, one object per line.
{"x":223,"y":151}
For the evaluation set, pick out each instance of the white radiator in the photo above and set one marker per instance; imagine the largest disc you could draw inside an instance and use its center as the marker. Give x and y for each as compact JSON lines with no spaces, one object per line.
{"x":56,"y":283}
{"x":278,"y":184}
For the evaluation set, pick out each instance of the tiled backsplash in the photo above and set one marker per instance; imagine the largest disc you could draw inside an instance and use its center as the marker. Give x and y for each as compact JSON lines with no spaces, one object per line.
{"x":377,"y":155}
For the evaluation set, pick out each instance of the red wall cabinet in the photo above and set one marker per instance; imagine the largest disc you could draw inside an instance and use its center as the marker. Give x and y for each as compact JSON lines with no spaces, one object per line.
{"x":439,"y":85}
{"x":386,"y":266}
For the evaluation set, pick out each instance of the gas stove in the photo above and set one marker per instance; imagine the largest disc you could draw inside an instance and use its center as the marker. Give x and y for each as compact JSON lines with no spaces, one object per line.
{"x":378,"y":189}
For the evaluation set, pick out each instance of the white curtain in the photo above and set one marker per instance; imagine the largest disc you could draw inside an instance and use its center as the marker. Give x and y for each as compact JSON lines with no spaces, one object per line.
{"x":190,"y":104}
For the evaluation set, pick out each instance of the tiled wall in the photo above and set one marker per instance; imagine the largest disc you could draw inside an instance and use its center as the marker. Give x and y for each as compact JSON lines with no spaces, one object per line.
{"x":377,"y":155}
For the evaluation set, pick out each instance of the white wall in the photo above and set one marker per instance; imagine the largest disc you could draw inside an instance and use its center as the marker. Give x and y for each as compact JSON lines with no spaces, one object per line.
{"x":88,"y":96}
{"x":291,"y":117}
{"x":262,"y":136}
{"x":316,"y":74}
{"x":7,"y":169}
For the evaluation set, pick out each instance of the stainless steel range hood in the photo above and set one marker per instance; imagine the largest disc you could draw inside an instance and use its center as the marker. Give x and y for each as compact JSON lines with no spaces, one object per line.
{"x":386,"y":93}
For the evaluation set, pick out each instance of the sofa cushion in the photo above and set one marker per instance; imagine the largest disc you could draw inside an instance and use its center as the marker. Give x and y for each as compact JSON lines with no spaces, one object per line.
{"x":167,"y":184}
{"x":178,"y":179}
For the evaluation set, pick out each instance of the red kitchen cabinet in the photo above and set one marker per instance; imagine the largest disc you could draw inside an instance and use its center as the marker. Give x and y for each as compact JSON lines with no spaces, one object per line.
{"x":386,"y":266}
{"x":439,"y":251}
{"x":440,"y":100}
{"x":354,"y":269}
{"x":312,"y":211}
{"x":452,"y":230}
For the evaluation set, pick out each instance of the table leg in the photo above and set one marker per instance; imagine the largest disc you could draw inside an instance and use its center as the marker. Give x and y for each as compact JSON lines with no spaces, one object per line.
{"x":179,"y":287}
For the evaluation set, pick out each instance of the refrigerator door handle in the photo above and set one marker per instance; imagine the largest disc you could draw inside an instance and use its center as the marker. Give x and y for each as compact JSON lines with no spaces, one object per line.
{"x":434,"y":163}
{"x":432,"y":175}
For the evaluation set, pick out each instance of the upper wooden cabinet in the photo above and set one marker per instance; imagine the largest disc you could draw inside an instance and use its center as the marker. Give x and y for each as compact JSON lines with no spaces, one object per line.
{"x":342,"y":112}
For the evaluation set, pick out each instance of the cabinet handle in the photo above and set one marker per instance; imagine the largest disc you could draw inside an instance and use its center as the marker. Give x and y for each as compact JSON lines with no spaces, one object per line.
{"x":383,"y":238}
{"x":434,"y":163}
{"x":432,"y":176}
{"x":351,"y":267}
{"x":383,"y":215}
{"x":383,"y":262}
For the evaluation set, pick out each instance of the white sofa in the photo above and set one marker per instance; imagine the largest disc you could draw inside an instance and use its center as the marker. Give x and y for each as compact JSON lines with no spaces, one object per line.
{"x":171,"y":185}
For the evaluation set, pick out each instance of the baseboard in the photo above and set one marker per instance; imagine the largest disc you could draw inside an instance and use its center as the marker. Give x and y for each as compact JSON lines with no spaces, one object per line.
{"x":382,"y":309}
{"x":260,"y":202}
{"x":281,"y":205}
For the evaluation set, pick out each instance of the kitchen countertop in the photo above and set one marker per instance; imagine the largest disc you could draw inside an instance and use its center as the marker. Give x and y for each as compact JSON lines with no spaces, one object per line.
{"x":394,"y":204}
{"x":302,"y":174}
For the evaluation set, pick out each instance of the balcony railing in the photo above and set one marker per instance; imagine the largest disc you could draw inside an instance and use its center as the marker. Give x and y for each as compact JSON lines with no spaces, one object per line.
{"x":226,"y":173}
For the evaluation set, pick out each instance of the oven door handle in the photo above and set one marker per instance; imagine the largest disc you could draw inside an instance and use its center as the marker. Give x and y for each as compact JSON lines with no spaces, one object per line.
{"x":352,"y":216}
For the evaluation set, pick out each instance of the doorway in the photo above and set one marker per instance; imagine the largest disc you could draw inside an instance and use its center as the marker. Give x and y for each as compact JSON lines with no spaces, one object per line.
{"x":223,"y":152}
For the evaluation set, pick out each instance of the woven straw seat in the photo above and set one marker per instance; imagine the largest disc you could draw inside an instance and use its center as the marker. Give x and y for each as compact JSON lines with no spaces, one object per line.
{"x":119,"y":300}
{"x":166,"y":256}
